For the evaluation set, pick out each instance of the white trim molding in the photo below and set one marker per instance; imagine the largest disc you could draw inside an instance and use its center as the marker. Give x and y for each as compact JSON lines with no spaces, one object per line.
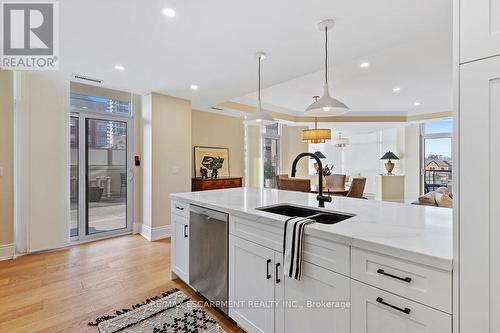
{"x":136,"y":228}
{"x":6,"y":252}
{"x":152,"y":234}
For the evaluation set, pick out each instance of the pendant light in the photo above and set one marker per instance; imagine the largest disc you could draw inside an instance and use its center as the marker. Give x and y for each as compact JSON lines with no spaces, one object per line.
{"x":316,"y":135}
{"x":326,"y":105}
{"x":340,"y":141}
{"x":259,"y":117}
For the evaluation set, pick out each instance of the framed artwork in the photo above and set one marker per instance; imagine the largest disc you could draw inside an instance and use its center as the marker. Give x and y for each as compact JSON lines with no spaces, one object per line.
{"x":211,"y":162}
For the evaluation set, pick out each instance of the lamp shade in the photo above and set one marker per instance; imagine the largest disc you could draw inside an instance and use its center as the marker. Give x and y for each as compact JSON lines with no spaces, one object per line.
{"x":317,"y":135}
{"x":389,"y":156}
{"x":340,"y":141}
{"x":259,"y":117}
{"x":326,"y":105}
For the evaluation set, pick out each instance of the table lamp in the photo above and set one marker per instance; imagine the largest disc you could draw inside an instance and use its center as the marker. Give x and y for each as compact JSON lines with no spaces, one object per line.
{"x":389,"y":166}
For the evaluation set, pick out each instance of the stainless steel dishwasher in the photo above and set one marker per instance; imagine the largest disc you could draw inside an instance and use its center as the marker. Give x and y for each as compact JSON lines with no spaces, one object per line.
{"x":208,"y":254}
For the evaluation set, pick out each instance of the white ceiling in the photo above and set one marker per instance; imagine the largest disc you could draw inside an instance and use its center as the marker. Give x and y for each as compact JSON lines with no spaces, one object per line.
{"x":421,"y":70}
{"x":211,"y":44}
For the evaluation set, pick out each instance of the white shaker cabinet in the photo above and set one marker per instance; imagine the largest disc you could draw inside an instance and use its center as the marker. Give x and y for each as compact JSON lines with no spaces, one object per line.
{"x":180,"y":247}
{"x":251,"y":285}
{"x":376,"y":311}
{"x":479,"y":29}
{"x":480,"y":195}
{"x":318,"y":302}
{"x":256,"y":274}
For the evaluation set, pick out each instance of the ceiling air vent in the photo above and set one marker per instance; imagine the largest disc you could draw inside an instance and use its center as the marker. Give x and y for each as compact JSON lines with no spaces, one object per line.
{"x":216,"y":108}
{"x":86,"y":78}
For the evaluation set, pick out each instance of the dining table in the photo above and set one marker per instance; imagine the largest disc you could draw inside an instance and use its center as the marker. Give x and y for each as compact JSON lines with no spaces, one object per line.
{"x":332,"y":191}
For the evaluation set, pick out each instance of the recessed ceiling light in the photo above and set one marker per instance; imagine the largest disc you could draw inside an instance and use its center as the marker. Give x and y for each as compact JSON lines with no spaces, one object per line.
{"x":193,"y":87}
{"x":119,"y":68}
{"x":396,"y":89}
{"x":416,"y":104}
{"x":364,"y":65}
{"x":168,"y":12}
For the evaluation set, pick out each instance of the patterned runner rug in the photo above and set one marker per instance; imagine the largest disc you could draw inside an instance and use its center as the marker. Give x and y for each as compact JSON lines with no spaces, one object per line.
{"x":173,"y":311}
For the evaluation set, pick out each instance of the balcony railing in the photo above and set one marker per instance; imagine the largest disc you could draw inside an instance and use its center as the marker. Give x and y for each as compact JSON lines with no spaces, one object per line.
{"x":433,"y":179}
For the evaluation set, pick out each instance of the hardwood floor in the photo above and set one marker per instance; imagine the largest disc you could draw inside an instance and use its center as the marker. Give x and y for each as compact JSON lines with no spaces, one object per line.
{"x":61,"y":291}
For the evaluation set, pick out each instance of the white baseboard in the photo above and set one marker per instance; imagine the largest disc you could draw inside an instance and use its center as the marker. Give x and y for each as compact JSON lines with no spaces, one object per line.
{"x":6,"y":251}
{"x":152,"y":234}
{"x":136,"y":228}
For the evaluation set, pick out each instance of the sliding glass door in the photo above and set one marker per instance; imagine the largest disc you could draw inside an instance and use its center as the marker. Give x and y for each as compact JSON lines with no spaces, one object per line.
{"x":106,"y":178}
{"x":101,"y":175}
{"x":74,"y":127}
{"x":101,"y":147}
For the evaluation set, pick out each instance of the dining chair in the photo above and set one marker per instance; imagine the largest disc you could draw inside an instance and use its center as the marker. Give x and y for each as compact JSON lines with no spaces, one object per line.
{"x":335,"y":182}
{"x":357,"y":187}
{"x":283,"y":182}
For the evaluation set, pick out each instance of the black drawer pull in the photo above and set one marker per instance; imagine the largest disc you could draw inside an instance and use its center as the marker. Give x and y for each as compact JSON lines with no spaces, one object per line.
{"x":185,"y":230}
{"x":179,"y":208}
{"x":381,"y":301}
{"x":405,"y":279}
{"x":277,"y":273}
{"x":268,"y":276}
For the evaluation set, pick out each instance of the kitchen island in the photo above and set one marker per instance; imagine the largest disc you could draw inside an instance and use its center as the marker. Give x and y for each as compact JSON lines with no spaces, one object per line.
{"x":388,"y":268}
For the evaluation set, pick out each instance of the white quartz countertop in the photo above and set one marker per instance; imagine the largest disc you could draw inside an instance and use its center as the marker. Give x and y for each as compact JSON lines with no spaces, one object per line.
{"x":418,"y":233}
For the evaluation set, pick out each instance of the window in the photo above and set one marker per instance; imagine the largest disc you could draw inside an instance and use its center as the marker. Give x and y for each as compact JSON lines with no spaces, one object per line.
{"x":271,"y":154}
{"x":96,"y":103}
{"x":84,"y":97}
{"x":437,"y":161}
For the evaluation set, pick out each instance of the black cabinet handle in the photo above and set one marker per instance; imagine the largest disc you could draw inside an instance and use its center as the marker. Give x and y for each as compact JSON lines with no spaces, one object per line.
{"x":268,"y":276}
{"x":185,"y":230}
{"x":381,"y":301}
{"x":405,"y":279}
{"x":179,"y":208}
{"x":277,"y":273}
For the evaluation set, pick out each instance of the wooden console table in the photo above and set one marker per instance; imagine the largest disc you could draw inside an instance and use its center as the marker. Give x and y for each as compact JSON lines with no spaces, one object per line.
{"x":198,"y":184}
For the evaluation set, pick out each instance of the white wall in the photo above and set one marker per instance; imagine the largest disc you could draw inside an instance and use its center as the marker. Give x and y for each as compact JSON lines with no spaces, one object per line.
{"x":291,"y":146}
{"x":412,"y":161}
{"x":361,"y":157}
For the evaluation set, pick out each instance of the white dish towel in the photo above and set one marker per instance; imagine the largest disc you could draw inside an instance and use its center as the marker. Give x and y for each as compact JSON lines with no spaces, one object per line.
{"x":292,"y":246}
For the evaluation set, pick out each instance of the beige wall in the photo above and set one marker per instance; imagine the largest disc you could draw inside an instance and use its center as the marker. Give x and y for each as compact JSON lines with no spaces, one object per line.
{"x":213,"y":130}
{"x":291,"y":146}
{"x":6,"y":158}
{"x":166,"y":149}
{"x":43,"y":112}
{"x":254,"y":163}
{"x":136,"y":100}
